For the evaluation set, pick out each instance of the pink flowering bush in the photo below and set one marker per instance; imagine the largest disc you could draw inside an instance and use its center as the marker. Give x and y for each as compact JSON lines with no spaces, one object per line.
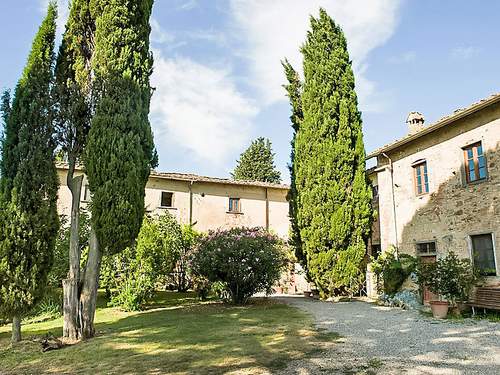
{"x":245,"y":260}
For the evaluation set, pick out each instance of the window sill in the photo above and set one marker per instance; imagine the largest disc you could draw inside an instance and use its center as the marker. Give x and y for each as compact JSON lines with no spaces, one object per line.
{"x":476,"y":182}
{"x":234,"y":212}
{"x":167,"y":208}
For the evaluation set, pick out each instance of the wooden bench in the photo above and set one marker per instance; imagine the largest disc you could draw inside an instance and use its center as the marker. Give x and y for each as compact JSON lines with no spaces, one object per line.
{"x":486,"y":298}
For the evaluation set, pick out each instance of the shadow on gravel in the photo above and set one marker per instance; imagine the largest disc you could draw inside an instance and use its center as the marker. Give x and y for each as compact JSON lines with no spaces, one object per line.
{"x":388,"y":340}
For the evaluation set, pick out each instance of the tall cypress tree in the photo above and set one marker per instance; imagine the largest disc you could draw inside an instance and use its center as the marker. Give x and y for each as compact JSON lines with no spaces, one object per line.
{"x":28,"y":200}
{"x":120,"y":149}
{"x":333,"y":210}
{"x":257,"y":163}
{"x":294,"y":92}
{"x":72,"y":91}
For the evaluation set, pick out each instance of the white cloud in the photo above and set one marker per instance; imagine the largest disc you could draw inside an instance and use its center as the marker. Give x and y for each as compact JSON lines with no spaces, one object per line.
{"x":158,"y":34}
{"x":406,"y":57}
{"x":275,"y":30}
{"x":188,"y":5}
{"x":200,"y":109}
{"x":464,"y":52}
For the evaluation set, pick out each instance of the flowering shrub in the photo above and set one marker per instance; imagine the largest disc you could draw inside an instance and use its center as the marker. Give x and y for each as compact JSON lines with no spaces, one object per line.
{"x":245,"y":260}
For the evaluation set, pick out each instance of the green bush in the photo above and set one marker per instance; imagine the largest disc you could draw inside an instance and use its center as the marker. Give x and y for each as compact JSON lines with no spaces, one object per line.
{"x":246,"y":260}
{"x":392,"y":272}
{"x":136,"y":271}
{"x":449,"y":277}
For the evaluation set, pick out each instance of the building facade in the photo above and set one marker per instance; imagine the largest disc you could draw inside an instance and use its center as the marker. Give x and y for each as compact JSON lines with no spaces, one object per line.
{"x":209,"y":203}
{"x":438,"y":188}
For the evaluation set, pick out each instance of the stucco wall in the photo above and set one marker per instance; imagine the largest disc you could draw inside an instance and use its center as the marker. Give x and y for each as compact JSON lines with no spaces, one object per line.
{"x":210,"y":204}
{"x":453,"y":210}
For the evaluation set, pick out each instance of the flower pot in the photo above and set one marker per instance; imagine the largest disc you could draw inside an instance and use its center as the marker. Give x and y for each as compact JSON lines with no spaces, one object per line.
{"x":439,"y":309}
{"x":307,"y":293}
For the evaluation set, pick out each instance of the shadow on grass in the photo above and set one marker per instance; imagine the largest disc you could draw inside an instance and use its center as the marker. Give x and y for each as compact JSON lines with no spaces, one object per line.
{"x":179,"y":336}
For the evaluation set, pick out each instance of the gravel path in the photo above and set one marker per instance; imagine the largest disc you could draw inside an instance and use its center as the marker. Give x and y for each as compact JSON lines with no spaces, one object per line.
{"x":383,"y":340}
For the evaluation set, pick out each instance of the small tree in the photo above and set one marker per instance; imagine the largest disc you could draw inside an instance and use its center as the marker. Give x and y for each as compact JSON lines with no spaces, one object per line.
{"x":149,"y":262}
{"x":29,"y":183}
{"x":257,"y":163}
{"x":246,"y":260}
{"x":450,"y":277}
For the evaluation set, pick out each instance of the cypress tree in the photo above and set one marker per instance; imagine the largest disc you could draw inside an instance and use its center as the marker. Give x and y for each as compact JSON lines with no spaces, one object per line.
{"x":257,"y":163}
{"x":120,"y":150}
{"x":28,"y":200}
{"x":72,"y":92}
{"x":294,"y":92}
{"x":333,"y":210}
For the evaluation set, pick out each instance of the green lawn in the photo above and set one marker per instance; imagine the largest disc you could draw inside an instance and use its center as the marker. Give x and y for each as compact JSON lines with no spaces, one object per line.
{"x":176,"y":335}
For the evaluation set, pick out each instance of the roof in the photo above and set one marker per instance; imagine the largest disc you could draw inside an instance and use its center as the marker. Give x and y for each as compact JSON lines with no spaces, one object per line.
{"x":442,"y":122}
{"x":196,"y":178}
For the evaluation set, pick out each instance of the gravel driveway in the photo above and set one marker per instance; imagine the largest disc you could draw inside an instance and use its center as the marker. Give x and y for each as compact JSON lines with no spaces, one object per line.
{"x":383,"y":340}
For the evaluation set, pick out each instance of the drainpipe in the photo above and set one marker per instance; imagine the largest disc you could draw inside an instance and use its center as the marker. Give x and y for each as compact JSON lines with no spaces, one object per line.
{"x":391,"y":169}
{"x":191,"y":202}
{"x":267,"y":209}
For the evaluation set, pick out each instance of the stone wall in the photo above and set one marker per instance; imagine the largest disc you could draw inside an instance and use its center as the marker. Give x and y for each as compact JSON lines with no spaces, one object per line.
{"x":453,"y":210}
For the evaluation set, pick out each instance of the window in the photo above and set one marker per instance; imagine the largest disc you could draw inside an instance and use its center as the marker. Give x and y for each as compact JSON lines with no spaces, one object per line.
{"x":86,"y":193}
{"x":234,"y":205}
{"x":483,"y":254}
{"x":426,"y":248}
{"x":421,"y":178}
{"x":475,"y":163}
{"x":375,"y":192}
{"x":376,"y":250}
{"x":166,"y":199}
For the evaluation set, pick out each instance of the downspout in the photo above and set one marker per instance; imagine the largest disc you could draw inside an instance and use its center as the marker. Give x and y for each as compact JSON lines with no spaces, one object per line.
{"x":267,"y":209}
{"x":191,"y":202}
{"x":391,"y":169}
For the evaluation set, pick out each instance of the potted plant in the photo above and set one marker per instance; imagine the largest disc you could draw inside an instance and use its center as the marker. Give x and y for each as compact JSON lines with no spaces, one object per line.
{"x":451,"y":278}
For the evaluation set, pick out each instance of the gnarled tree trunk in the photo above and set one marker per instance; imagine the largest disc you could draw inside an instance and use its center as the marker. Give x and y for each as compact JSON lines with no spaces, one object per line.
{"x":16,"y":329}
{"x":70,"y":285}
{"x":88,"y":296}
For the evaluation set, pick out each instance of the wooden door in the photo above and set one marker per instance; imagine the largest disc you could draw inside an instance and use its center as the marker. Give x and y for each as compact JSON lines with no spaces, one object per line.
{"x":426,"y":293}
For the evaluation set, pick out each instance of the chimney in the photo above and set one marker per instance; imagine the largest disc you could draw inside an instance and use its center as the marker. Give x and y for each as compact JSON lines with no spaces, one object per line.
{"x":415,"y":122}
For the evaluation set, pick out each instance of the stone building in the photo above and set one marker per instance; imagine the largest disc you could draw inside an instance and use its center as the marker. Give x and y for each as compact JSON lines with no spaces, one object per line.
{"x":208,"y":203}
{"x":438,"y":188}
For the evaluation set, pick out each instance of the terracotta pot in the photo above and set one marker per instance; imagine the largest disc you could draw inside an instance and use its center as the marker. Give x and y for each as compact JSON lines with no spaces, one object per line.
{"x":439,"y":309}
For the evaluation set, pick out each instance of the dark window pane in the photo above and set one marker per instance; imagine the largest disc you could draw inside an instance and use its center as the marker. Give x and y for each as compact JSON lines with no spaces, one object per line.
{"x":166,"y":199}
{"x":479,"y":150}
{"x":484,"y":257}
{"x":470,"y":154}
{"x":426,"y":247}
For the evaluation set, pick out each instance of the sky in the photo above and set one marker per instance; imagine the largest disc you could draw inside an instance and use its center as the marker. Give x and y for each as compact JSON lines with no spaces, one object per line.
{"x":218,"y":77}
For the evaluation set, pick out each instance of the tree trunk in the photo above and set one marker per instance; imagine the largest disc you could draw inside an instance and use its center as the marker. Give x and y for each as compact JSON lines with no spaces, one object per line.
{"x":88,"y":296}
{"x":70,"y":285}
{"x":16,"y":329}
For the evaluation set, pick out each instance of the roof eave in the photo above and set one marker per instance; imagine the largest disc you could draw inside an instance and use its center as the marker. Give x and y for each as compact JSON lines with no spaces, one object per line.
{"x":436,"y":126}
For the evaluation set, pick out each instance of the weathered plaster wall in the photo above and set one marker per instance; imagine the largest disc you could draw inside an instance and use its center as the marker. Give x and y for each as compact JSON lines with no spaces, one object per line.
{"x":453,"y":210}
{"x":210,"y":204}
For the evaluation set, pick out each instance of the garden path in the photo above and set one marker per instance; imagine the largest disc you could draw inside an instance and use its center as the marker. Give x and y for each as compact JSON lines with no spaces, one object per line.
{"x":386,"y":340}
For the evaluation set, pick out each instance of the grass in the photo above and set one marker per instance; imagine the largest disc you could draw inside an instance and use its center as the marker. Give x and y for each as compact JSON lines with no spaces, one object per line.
{"x":177,"y":334}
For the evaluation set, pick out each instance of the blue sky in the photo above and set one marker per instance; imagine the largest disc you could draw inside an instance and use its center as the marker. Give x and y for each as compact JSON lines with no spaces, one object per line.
{"x":218,"y":75}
